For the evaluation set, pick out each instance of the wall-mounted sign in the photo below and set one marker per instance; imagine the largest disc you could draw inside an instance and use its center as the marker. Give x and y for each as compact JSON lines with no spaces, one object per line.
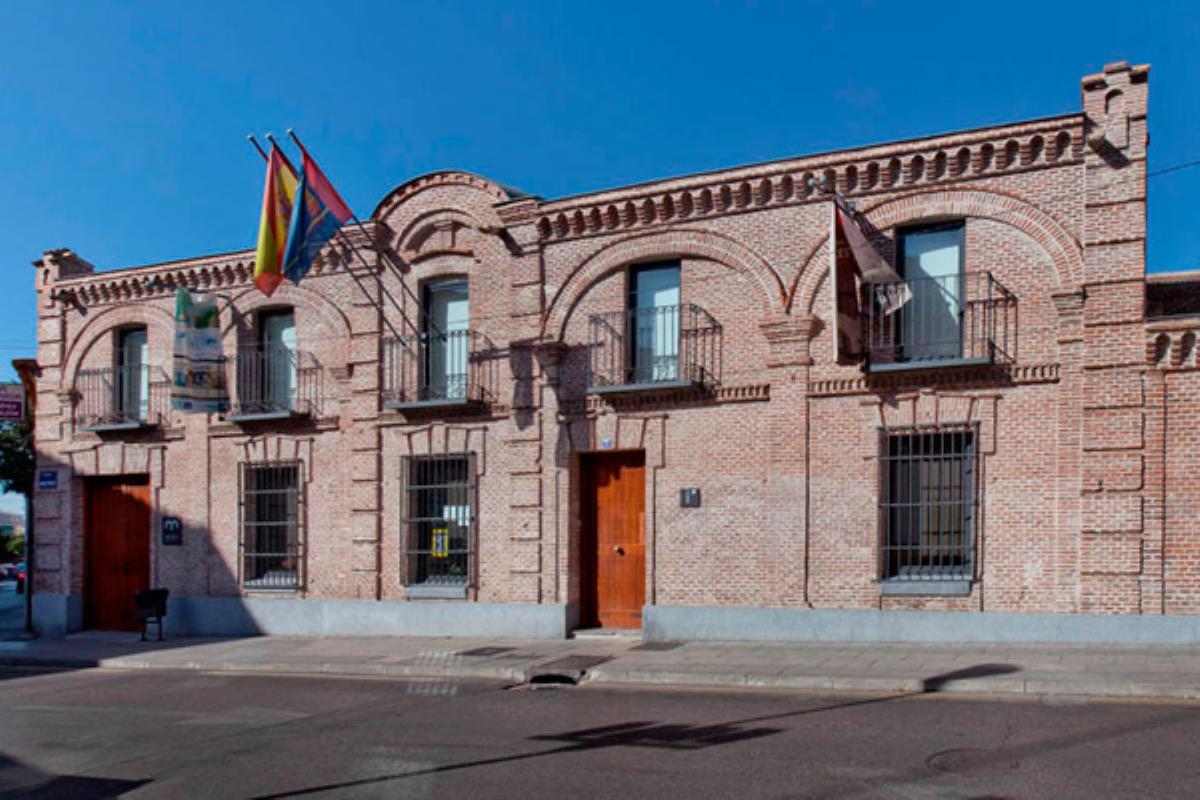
{"x":12,"y":401}
{"x":441,"y":543}
{"x":172,"y":530}
{"x":47,"y":479}
{"x":689,"y":498}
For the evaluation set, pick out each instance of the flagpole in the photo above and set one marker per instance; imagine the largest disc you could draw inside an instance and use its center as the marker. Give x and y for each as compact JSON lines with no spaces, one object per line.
{"x":363,"y":230}
{"x":257,"y":146}
{"x":353,"y":249}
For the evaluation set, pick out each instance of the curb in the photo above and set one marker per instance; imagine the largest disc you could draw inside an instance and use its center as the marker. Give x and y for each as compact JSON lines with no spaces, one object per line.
{"x":607,"y":675}
{"x":1094,"y":687}
{"x":366,"y":670}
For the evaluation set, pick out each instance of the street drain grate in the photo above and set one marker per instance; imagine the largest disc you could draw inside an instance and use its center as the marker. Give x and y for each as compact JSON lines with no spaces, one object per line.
{"x":657,"y":647}
{"x":486,"y":651}
{"x":551,"y":680}
{"x":573,"y":663}
{"x":973,"y":761}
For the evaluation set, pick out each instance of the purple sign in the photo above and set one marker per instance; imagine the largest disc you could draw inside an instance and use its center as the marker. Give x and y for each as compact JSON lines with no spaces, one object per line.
{"x":12,"y":401}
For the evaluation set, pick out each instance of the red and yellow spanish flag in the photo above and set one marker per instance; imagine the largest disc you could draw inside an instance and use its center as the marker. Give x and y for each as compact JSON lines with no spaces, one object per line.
{"x":278,"y":197}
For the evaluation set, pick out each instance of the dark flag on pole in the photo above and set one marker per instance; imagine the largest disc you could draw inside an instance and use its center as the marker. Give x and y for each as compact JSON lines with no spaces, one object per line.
{"x":317,"y":215}
{"x":853,"y":263}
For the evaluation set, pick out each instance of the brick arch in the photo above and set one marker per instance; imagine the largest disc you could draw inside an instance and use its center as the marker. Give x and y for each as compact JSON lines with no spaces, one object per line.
{"x":1064,"y":250}
{"x":662,"y":244}
{"x":467,"y":180}
{"x":155,"y":318}
{"x":251,"y":300}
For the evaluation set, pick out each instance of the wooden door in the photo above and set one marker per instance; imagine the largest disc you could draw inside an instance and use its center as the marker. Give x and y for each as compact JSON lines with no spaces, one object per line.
{"x":117,"y":551}
{"x":613,"y":569}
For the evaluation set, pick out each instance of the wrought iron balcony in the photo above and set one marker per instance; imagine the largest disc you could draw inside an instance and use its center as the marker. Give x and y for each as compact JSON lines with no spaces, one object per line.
{"x":644,"y":349}
{"x":274,"y":383}
{"x":947,"y":321}
{"x":438,"y":370}
{"x":121,"y":398}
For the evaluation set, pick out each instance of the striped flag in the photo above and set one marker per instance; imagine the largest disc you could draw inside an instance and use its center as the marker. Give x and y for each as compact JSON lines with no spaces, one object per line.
{"x":278,"y":198}
{"x":316,"y":219}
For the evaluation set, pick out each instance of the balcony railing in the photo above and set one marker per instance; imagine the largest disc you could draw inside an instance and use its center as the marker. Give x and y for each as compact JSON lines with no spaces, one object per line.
{"x":947,"y":321}
{"x":438,"y":369}
{"x":121,"y":398}
{"x":654,"y":348}
{"x":272,"y":383}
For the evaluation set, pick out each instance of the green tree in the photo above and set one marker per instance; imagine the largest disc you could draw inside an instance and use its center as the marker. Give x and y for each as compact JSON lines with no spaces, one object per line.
{"x":16,"y":457}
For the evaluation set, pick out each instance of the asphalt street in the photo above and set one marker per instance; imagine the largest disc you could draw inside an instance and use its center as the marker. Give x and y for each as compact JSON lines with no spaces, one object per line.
{"x":98,"y":733}
{"x":12,"y":609}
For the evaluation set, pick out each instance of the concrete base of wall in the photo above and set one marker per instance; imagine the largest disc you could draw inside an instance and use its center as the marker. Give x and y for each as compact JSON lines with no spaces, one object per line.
{"x":56,"y":615}
{"x":249,"y":616}
{"x":678,"y":623}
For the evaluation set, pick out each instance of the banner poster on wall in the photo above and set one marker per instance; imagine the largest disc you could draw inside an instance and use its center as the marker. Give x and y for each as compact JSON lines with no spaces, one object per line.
{"x":198,"y":384}
{"x":853,"y":264}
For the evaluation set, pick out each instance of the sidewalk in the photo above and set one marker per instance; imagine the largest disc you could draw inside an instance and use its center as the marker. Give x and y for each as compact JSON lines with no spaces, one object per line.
{"x":1148,"y":671}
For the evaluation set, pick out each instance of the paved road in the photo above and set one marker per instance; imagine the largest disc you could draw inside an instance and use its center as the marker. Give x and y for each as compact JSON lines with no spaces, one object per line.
{"x":98,"y":733}
{"x":12,"y":609}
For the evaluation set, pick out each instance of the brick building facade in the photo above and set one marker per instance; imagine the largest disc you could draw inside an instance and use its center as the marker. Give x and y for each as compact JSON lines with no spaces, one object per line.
{"x":503,"y":414}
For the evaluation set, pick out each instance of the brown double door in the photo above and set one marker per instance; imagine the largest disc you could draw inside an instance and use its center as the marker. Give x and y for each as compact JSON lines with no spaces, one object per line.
{"x":117,"y":551}
{"x":613,"y":563}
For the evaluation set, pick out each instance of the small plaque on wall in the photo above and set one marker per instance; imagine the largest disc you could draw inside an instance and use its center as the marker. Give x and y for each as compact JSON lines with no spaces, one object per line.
{"x":172,"y":530}
{"x":689,"y":498}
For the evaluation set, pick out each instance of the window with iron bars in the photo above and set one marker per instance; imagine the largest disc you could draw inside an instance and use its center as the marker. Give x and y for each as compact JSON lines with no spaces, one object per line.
{"x":438,"y":527}
{"x":273,"y":532}
{"x":927,"y":505}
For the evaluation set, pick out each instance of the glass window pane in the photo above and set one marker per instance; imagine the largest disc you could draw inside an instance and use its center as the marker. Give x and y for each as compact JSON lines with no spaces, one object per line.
{"x":931,"y":321}
{"x":654,"y":323}
{"x":447,"y":321}
{"x":278,"y":360}
{"x":133,"y":379}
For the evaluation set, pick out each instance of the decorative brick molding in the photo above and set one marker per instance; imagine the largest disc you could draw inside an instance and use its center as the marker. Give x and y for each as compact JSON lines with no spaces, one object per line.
{"x":154,"y":318}
{"x":443,"y":178}
{"x":1172,"y":345}
{"x":922,"y":162}
{"x":1063,"y":249}
{"x":663,"y":244}
{"x":789,"y":339}
{"x":751,"y":393}
{"x":981,"y":378}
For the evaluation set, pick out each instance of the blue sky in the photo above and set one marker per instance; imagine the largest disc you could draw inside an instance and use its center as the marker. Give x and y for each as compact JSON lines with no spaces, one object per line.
{"x":122,"y":125}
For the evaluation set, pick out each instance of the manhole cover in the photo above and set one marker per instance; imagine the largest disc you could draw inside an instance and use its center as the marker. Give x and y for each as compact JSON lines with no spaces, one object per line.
{"x":486,"y":651}
{"x":657,"y":647}
{"x":973,"y":761}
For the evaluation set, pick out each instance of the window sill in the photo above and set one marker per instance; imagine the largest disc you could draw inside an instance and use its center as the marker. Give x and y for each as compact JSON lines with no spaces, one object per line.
{"x":114,"y":427}
{"x":929,"y":363}
{"x":257,"y":416}
{"x":645,"y":386}
{"x":435,"y":592}
{"x":932,"y":587}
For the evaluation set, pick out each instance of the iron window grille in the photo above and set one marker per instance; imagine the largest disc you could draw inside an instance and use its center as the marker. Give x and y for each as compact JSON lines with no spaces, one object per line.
{"x":928,"y":502}
{"x":272,"y":537}
{"x":438,"y":528}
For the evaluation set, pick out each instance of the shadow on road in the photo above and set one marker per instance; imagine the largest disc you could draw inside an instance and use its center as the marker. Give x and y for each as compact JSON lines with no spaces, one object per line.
{"x":21,"y":780}
{"x":662,"y":735}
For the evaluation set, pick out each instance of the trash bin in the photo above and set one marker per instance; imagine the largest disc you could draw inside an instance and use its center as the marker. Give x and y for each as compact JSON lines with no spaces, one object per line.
{"x":151,"y":609}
